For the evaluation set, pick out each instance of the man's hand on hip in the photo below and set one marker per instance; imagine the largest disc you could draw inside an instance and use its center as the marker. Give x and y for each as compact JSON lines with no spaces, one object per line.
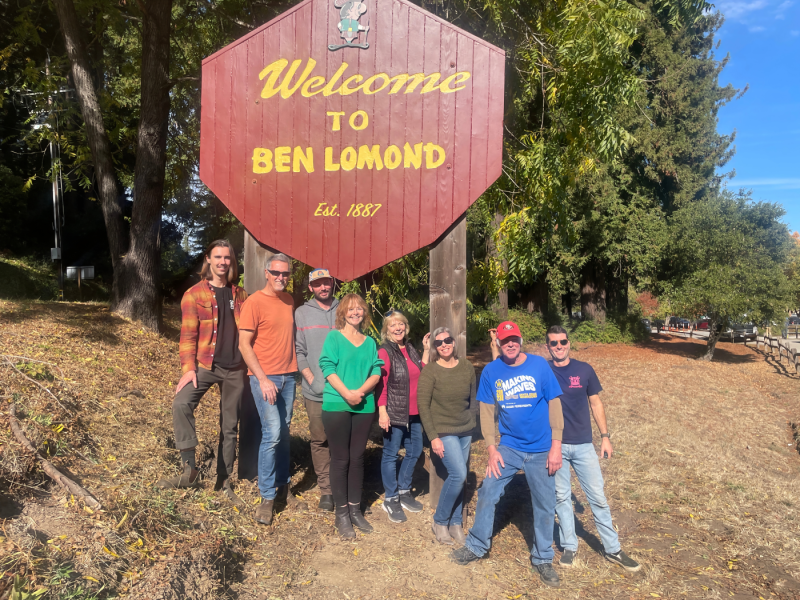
{"x":554,"y":458}
{"x":495,"y":462}
{"x":187,"y":377}
{"x":606,"y":449}
{"x":268,"y":389}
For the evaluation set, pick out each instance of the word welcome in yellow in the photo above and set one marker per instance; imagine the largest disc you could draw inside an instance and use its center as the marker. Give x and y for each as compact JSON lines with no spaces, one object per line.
{"x":285,"y":160}
{"x":311,"y":86}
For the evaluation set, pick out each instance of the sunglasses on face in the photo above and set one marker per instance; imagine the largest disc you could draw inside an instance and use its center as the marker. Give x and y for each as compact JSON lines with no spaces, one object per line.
{"x":284,"y":274}
{"x":554,"y":343}
{"x":448,"y":340}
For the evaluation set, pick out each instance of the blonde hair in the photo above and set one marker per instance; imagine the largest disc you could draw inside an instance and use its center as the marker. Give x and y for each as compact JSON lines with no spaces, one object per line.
{"x":346,"y":304}
{"x":233,"y":270}
{"x":394,"y":315}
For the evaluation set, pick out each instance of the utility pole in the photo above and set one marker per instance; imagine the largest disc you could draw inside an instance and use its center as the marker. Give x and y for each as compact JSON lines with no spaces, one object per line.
{"x":58,"y":204}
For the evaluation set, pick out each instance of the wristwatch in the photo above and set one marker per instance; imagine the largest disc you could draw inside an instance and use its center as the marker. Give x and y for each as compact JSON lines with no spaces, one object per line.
{"x":605,"y":435}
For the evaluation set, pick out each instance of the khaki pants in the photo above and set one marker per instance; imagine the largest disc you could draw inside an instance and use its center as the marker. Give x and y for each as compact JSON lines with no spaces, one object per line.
{"x":231,"y":382}
{"x":320,"y":455}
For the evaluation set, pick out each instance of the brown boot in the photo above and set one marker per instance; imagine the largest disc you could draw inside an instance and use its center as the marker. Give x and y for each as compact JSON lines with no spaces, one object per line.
{"x":190,"y":478}
{"x":292,"y":502}
{"x":457,"y":533}
{"x":264,"y":512}
{"x":442,"y":535}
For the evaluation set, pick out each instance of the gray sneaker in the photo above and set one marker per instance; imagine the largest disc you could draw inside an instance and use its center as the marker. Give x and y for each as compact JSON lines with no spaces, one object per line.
{"x":623,"y":560}
{"x":547,"y":574}
{"x":394,"y":510}
{"x":568,"y":558}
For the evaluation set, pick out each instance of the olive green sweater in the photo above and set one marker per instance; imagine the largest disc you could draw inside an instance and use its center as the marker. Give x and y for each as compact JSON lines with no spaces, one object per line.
{"x":446,"y":399}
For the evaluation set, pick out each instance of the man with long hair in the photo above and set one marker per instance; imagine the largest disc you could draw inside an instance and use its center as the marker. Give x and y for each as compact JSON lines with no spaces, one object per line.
{"x":209,"y":353}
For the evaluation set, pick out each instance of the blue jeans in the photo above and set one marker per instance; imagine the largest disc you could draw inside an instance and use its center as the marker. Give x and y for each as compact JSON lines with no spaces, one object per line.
{"x":451,"y":499}
{"x":543,"y":496}
{"x":273,"y":453}
{"x":583,"y":459}
{"x":410,"y":437}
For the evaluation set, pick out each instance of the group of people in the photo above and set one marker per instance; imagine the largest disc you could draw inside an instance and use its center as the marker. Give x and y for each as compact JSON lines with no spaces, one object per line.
{"x":542,"y":410}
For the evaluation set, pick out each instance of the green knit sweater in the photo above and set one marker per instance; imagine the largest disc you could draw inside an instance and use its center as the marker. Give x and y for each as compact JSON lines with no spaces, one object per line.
{"x":446,"y":399}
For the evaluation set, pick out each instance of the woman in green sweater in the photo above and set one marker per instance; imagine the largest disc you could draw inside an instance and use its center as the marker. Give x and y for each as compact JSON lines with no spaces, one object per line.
{"x":351,"y":367}
{"x":446,"y":401}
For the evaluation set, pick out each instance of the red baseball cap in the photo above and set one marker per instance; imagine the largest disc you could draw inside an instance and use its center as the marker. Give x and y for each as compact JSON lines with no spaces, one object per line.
{"x":508,"y":329}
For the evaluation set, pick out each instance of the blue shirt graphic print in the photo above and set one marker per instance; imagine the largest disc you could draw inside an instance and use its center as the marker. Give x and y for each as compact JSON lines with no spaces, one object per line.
{"x":521,"y":394}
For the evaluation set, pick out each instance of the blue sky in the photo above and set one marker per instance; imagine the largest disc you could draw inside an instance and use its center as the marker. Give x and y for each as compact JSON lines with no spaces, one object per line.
{"x":763,"y":40}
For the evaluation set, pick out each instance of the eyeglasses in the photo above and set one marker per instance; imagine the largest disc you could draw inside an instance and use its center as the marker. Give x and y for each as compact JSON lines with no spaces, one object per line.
{"x":284,"y":274}
{"x":554,"y":343}
{"x":448,"y":340}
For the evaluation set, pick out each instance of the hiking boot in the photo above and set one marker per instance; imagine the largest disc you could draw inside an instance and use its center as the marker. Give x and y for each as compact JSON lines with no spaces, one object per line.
{"x":190,"y":478}
{"x":264,"y":512}
{"x":463,"y":556}
{"x":568,"y":558}
{"x":457,"y":533}
{"x":292,"y":501}
{"x":409,"y":502}
{"x":623,"y":560}
{"x":547,"y":574}
{"x":343,"y":524}
{"x":326,"y":502}
{"x":358,"y":520}
{"x":442,"y":535}
{"x":394,"y":510}
{"x":227,"y":491}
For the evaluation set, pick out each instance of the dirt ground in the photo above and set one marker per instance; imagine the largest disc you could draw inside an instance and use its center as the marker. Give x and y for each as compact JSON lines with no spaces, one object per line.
{"x":702,"y":485}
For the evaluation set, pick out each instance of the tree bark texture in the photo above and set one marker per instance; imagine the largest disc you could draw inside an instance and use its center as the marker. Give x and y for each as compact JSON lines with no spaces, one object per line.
{"x":140,"y":280}
{"x":535,"y":298}
{"x":96,"y":134}
{"x":714,"y":333}
{"x":616,"y":292}
{"x":500,"y":305}
{"x":593,"y":291}
{"x":255,"y":260}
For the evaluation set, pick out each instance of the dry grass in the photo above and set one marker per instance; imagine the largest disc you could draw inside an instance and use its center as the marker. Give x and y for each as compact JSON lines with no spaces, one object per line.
{"x":702,"y":484}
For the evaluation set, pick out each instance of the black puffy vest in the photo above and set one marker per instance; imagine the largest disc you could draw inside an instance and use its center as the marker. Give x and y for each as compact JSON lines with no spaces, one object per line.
{"x":398,"y":384}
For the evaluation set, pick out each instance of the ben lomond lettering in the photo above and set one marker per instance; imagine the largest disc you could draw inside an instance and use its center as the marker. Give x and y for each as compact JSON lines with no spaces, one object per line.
{"x":311,"y":86}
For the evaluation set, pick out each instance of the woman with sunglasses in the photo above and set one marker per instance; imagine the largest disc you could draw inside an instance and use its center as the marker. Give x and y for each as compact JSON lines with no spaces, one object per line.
{"x":446,"y":401}
{"x":398,"y":413}
{"x":351,"y":367}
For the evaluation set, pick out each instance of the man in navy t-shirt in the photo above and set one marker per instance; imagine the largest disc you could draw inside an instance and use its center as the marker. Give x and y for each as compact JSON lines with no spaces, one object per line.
{"x":581,"y":391}
{"x":523,"y":389}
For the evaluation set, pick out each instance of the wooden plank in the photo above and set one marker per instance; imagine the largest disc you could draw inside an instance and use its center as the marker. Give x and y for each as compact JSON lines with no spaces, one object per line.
{"x":301,"y":134}
{"x":267,"y":182}
{"x":239,"y":178}
{"x":446,"y":134}
{"x":494,"y":160}
{"x":207,"y":120}
{"x":430,"y":134}
{"x":412,"y":184}
{"x":222,"y":127}
{"x":253,"y":188}
{"x":284,"y":224}
{"x":480,"y":122}
{"x":448,"y":283}
{"x":462,"y":135}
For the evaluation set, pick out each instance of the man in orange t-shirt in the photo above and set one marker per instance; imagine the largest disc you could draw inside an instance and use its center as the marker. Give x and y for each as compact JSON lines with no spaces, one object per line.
{"x":266,"y":341}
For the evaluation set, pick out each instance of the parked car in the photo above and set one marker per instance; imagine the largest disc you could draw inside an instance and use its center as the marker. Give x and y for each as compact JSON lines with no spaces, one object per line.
{"x":740,"y":331}
{"x":658,"y":324}
{"x":795,"y":320}
{"x":702,"y":323}
{"x":684,"y":324}
{"x":647,"y":325}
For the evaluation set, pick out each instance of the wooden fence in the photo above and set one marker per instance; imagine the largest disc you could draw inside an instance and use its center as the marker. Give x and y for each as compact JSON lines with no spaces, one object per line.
{"x":782,"y":345}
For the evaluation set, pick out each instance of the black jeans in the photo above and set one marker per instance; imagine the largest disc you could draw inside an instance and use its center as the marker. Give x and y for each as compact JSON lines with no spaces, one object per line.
{"x":231,"y":383}
{"x":347,"y":439}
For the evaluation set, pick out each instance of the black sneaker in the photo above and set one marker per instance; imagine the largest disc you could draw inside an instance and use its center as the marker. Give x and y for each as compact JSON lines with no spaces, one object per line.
{"x":463,"y":556}
{"x":623,"y":560}
{"x":547,"y":574}
{"x":568,"y":558}
{"x":394,"y":510}
{"x":409,"y":503}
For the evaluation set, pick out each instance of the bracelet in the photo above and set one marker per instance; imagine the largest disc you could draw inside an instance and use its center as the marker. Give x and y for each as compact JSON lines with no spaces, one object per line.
{"x":605,"y":435}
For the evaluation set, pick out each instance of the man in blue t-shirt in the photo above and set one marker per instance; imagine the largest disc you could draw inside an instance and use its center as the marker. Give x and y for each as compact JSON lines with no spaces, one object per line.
{"x":523,"y":389}
{"x":581,"y":391}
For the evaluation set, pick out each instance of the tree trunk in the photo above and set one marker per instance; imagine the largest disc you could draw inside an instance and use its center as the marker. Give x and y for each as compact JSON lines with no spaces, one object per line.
{"x":140,"y":279}
{"x":536,"y":297}
{"x":593,"y":291}
{"x":500,"y":305}
{"x":96,"y":134}
{"x":714,"y":333}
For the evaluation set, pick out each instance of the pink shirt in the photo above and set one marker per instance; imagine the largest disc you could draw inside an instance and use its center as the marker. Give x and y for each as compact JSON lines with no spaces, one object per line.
{"x":413,"y":376}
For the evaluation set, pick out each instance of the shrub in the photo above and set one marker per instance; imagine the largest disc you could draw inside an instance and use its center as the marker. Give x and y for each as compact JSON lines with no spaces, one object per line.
{"x":479,"y":321}
{"x":532,"y":326}
{"x":618,"y":329}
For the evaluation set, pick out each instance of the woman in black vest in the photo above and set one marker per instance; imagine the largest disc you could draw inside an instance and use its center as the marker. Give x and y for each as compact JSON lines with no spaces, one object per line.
{"x":398,"y":413}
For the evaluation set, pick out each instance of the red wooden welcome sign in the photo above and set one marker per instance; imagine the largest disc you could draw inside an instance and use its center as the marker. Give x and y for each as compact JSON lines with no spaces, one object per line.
{"x":348,"y":134}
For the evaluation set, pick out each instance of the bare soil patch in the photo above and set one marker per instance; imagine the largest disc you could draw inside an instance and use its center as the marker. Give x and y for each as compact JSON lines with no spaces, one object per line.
{"x":702,"y":484}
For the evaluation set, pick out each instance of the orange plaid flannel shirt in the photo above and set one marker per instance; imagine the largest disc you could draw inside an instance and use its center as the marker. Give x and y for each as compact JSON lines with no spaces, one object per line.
{"x":199,"y":324}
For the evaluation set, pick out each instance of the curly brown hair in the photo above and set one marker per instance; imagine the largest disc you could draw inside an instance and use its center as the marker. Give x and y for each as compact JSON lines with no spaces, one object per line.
{"x":345,"y":304}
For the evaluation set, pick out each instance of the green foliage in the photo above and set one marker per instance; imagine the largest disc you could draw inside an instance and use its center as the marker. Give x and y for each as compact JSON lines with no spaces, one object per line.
{"x":27,"y":278}
{"x":533,"y":326}
{"x":479,"y":321}
{"x":36,"y":370}
{"x":620,"y":329}
{"x":726,"y":259}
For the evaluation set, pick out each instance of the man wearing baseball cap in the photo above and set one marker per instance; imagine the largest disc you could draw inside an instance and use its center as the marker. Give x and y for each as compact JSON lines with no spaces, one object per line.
{"x":525,"y":393}
{"x":314,"y":320}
